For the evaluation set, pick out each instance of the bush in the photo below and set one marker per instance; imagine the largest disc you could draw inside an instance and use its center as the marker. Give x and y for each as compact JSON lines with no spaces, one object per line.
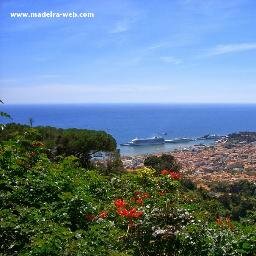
{"x":64,"y":142}
{"x":163,"y":162}
{"x":60,"y":208}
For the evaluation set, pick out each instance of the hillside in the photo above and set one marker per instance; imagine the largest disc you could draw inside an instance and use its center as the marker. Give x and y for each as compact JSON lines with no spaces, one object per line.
{"x":59,"y":208}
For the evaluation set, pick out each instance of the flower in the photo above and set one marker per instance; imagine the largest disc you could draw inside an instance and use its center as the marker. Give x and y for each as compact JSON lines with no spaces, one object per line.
{"x":123,"y":212}
{"x":120,"y":203}
{"x":103,"y":215}
{"x":136,"y":214}
{"x":139,"y":197}
{"x":139,"y":201}
{"x":164,"y":172}
{"x":175,"y":175}
{"x":132,"y":213}
{"x":145,"y":195}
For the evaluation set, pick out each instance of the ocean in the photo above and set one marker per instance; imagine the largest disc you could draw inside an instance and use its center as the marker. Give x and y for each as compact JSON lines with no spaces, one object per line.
{"x":127,"y":121}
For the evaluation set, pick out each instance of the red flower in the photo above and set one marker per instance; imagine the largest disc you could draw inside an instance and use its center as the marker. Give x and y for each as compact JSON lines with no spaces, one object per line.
{"x":123,"y":212}
{"x":120,"y":203}
{"x":175,"y":175}
{"x":135,"y":213}
{"x":164,"y":172}
{"x":132,"y":213}
{"x":133,"y":199}
{"x":139,"y":197}
{"x":103,"y":215}
{"x":145,"y":195}
{"x":139,"y":201}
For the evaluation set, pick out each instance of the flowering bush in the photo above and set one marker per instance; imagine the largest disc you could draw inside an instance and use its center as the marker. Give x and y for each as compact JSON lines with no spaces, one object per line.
{"x":120,"y":203}
{"x":172,"y":174}
{"x":175,"y":175}
{"x":58,"y":208}
{"x":132,"y":213}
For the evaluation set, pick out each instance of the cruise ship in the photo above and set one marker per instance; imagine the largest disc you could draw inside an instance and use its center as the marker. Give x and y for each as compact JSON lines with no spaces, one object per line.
{"x":179,"y":140}
{"x":145,"y":142}
{"x":210,"y":137}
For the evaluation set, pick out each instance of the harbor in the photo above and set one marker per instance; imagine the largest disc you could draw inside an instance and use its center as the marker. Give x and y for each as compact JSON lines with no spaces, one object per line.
{"x":158,"y":144}
{"x":218,"y":162}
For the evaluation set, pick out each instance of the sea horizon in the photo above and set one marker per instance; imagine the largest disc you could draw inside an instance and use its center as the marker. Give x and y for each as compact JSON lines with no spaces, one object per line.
{"x":134,"y":103}
{"x":128,"y":121}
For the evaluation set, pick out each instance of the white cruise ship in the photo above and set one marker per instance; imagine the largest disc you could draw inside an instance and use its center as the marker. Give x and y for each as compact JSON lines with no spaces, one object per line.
{"x":146,"y":142}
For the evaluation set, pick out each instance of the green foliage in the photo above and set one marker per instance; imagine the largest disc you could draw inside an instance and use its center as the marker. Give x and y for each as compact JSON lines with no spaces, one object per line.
{"x":65,"y":142}
{"x":60,"y":208}
{"x":163,"y":162}
{"x":242,"y":137}
{"x":112,"y":165}
{"x":239,"y":198}
{"x":4,"y":115}
{"x":142,"y":172}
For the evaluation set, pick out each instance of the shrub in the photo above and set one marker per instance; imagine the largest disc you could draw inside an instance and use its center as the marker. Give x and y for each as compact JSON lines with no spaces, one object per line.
{"x":60,"y":208}
{"x":163,"y":162}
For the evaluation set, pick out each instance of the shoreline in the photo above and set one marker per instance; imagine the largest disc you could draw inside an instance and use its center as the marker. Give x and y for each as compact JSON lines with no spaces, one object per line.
{"x":177,"y":149}
{"x":223,"y":161}
{"x":129,"y":151}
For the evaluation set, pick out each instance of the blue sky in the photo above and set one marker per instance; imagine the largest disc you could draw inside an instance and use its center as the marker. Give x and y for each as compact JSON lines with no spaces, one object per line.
{"x":132,"y":51}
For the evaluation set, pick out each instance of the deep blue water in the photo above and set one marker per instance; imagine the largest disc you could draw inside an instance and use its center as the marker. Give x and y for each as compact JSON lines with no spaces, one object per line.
{"x":126,"y":122}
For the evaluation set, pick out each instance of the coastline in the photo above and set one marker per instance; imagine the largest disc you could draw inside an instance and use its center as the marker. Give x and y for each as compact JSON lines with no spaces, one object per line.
{"x":127,"y":151}
{"x":223,"y":161}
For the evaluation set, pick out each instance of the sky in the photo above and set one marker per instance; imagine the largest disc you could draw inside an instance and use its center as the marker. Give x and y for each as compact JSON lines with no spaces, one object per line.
{"x":132,"y":51}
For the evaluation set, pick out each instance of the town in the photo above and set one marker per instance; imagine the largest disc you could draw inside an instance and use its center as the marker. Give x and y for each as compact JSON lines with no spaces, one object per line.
{"x":220,"y":162}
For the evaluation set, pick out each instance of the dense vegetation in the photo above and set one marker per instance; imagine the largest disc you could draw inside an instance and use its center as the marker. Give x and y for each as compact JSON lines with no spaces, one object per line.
{"x":163,"y":162}
{"x":239,"y":199}
{"x":3,"y":115}
{"x":78,"y":142}
{"x":58,"y":207}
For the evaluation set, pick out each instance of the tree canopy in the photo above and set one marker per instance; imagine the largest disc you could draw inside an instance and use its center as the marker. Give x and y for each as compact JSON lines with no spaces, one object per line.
{"x":78,"y":142}
{"x":163,"y":162}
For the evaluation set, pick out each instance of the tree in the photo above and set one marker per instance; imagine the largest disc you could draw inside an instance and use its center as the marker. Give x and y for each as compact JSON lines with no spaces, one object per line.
{"x":31,"y":121}
{"x":163,"y":162}
{"x":3,"y":114}
{"x":78,"y":142}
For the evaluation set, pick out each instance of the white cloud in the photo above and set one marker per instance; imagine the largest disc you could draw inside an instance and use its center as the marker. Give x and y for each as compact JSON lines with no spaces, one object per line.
{"x":158,"y":46}
{"x":58,"y":93}
{"x":120,"y":27}
{"x":230,"y":48}
{"x":171,"y":60}
{"x":126,"y":22}
{"x":123,"y":93}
